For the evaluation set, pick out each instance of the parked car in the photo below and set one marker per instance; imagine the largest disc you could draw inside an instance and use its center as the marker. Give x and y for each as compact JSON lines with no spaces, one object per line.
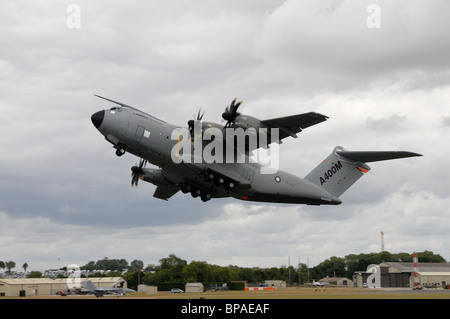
{"x":176,"y":290}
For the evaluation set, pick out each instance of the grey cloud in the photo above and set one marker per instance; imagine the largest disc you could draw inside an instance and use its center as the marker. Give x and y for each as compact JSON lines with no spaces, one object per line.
{"x":330,"y":45}
{"x":386,"y":124}
{"x":446,"y":120}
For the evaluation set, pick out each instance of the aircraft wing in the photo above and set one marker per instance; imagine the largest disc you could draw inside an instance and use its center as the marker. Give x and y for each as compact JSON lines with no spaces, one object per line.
{"x":166,"y":191}
{"x":291,"y":125}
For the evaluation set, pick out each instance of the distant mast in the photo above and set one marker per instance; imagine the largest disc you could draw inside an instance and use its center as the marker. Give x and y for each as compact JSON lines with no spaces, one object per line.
{"x":416,"y":269}
{"x":382,"y":241}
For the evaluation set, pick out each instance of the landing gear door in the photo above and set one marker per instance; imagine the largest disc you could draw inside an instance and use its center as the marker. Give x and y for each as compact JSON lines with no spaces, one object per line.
{"x":247,"y":173}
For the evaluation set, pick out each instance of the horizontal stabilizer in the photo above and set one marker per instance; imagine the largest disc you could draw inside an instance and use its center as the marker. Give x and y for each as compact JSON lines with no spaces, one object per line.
{"x":374,"y":156}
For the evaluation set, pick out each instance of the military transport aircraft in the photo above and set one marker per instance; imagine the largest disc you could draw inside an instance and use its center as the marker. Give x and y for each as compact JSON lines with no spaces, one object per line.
{"x":180,"y":163}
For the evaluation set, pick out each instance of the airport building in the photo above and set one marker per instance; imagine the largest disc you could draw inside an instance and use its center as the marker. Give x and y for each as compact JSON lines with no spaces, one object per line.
{"x":276,"y":283}
{"x":47,"y":286}
{"x":194,"y":287}
{"x":338,"y":281}
{"x":399,"y":274}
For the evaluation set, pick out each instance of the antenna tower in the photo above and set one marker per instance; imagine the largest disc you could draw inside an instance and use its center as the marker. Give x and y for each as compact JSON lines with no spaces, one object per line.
{"x":382,"y":241}
{"x":416,"y":269}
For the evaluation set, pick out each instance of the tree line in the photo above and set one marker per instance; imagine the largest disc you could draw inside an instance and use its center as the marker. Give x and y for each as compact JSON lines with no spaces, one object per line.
{"x":8,"y":265}
{"x":347,"y":266}
{"x":176,"y":269}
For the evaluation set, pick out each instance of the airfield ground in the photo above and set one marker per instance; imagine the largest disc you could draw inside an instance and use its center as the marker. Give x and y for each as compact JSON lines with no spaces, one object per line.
{"x":284,"y":293}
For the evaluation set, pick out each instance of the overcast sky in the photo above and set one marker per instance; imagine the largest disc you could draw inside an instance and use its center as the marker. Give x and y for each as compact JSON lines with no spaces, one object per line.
{"x":380,"y":72}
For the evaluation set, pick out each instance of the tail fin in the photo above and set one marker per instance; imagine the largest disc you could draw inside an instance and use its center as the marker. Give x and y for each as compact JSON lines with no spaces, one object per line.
{"x":342,"y":168}
{"x":89,"y":285}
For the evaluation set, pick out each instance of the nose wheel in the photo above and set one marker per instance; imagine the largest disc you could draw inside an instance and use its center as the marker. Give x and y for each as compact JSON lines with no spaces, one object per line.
{"x":120,"y":152}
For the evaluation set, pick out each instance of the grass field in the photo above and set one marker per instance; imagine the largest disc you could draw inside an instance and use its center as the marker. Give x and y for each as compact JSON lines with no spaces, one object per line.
{"x":311,"y":293}
{"x":284,"y":293}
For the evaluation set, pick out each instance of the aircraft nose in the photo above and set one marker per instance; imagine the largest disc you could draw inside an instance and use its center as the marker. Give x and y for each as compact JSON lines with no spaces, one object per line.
{"x":97,"y":118}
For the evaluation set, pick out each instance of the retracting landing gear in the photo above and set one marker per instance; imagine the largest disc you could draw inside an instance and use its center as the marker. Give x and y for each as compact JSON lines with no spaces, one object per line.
{"x":186,"y":188}
{"x":229,"y":185}
{"x":209,"y":177}
{"x":120,"y":152}
{"x":206,"y":197}
{"x":196,"y":192}
{"x":119,"y":148}
{"x":218,"y":180}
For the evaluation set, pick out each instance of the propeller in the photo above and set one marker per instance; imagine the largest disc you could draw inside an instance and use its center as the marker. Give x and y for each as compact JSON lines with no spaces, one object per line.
{"x":137,"y":172}
{"x":230,"y":114}
{"x":199,"y":118}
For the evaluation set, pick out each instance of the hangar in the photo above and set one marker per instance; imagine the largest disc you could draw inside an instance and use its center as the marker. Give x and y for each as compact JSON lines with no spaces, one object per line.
{"x":48,"y":286}
{"x":399,"y":274}
{"x":276,"y":283}
{"x":338,"y":281}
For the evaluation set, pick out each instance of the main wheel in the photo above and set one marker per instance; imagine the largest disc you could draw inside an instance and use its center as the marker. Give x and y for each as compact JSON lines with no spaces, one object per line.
{"x":219,"y":181}
{"x":208,"y":177}
{"x":206,"y":197}
{"x":195,"y":192}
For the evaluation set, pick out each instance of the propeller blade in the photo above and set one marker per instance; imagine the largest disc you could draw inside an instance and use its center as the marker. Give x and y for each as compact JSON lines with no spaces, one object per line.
{"x":137,"y":172}
{"x":134,"y":180}
{"x":199,"y":117}
{"x":237,"y":106}
{"x":230,"y":115}
{"x":232,"y":105}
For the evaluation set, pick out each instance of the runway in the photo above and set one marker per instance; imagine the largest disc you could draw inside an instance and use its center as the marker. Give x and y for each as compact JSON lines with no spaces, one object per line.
{"x":279,"y":294}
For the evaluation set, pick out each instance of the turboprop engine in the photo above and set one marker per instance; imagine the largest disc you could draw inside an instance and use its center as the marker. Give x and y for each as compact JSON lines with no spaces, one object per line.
{"x":154,"y":176}
{"x":245,"y":122}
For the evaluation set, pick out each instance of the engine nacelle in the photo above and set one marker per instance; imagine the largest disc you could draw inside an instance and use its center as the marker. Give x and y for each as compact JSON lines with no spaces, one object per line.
{"x":154,"y":176}
{"x":245,"y":122}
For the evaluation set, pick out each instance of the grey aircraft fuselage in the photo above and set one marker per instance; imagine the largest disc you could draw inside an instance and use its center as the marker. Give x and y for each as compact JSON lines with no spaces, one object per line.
{"x":143,"y":135}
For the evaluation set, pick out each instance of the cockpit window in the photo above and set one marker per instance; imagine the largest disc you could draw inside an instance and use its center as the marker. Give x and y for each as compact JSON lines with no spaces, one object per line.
{"x":119,"y":108}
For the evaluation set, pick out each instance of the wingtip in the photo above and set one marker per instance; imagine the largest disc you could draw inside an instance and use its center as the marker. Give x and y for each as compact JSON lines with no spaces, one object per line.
{"x":412,"y":154}
{"x":101,"y":97}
